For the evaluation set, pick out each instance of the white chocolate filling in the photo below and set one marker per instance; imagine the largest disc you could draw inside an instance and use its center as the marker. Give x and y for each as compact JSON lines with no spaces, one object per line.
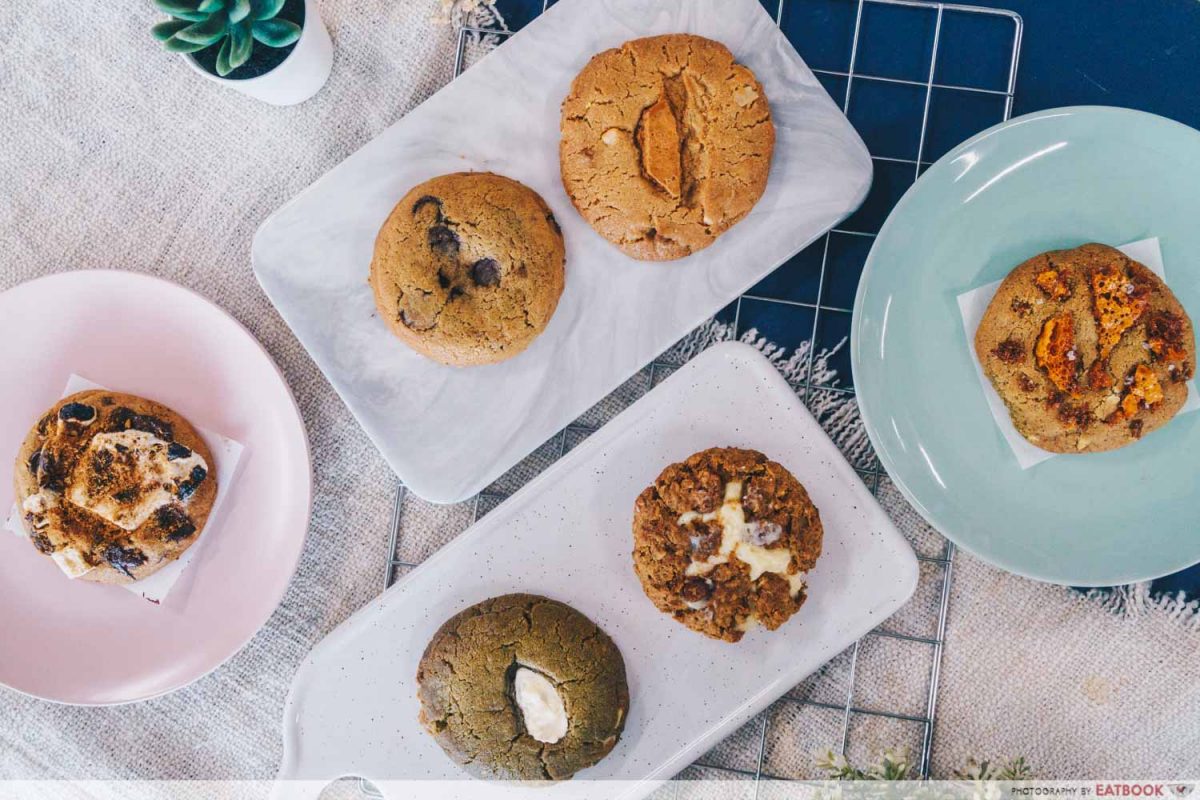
{"x":744,"y":541}
{"x":541,"y":706}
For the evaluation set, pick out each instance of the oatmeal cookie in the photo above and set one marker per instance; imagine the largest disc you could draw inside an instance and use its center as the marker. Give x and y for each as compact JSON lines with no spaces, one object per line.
{"x":666,"y":144}
{"x":468,"y":268}
{"x":723,"y":540}
{"x":113,"y":487}
{"x":1088,"y":349}
{"x":521,"y":687}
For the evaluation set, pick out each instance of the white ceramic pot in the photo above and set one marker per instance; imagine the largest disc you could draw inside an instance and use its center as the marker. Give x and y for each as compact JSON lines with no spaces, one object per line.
{"x":298,"y":77}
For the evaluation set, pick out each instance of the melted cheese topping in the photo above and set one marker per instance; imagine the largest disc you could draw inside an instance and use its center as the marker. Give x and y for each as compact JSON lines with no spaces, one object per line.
{"x":140,"y":479}
{"x":740,"y":540}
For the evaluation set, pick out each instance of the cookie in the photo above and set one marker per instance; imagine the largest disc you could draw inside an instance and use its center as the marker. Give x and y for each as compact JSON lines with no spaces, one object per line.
{"x":666,"y":144}
{"x":1088,"y":349}
{"x":468,"y":268}
{"x":723,"y":540}
{"x":521,"y":687}
{"x":113,"y":487}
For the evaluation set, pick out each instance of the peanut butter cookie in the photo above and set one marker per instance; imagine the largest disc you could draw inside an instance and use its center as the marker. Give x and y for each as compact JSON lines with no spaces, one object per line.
{"x":1088,"y":349}
{"x":468,"y":268}
{"x":666,"y":144}
{"x":521,"y":687}
{"x":722,"y":541}
{"x":113,"y":487}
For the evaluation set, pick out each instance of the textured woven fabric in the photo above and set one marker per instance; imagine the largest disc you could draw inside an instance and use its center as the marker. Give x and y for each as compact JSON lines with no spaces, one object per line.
{"x":114,"y":154}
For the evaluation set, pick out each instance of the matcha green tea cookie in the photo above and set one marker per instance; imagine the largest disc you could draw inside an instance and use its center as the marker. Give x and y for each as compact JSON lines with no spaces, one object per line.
{"x":521,"y":687}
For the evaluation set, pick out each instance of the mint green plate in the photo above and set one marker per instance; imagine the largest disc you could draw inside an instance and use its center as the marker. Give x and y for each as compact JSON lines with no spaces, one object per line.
{"x":1048,"y":180}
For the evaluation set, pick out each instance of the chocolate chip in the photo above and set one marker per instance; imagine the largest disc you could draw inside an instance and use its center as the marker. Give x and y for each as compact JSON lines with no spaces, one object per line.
{"x":42,"y":543}
{"x":178,"y":525}
{"x":651,"y":233}
{"x":124,"y":559}
{"x":1020,"y":307}
{"x":126,"y":495}
{"x":443,"y":280}
{"x":52,"y":475}
{"x":34,"y":460}
{"x":188,"y":487}
{"x":486,"y":272}
{"x":176,"y":451}
{"x":554,"y":224}
{"x":1135,"y":428}
{"x":696,"y":590}
{"x":425,"y":201}
{"x":456,"y":292}
{"x":1010,"y":351}
{"x":124,"y":419}
{"x":443,"y":240}
{"x":77,"y":412}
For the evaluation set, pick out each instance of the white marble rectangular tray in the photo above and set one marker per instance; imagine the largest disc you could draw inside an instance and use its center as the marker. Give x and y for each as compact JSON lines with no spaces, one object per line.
{"x":352,"y":709}
{"x":449,"y":432}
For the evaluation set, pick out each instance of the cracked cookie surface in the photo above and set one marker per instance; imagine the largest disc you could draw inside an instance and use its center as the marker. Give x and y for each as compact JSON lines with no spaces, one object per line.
{"x":466,"y":688}
{"x":666,"y":144}
{"x":1089,"y":349}
{"x":113,"y":487}
{"x":723,"y":540}
{"x":468,"y":268}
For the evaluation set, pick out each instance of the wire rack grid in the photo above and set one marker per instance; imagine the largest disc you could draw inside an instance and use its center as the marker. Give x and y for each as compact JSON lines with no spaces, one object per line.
{"x":937,"y":563}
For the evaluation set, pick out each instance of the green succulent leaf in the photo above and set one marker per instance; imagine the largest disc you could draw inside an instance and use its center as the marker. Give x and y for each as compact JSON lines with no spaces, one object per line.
{"x":239,"y":10}
{"x":211,"y":6}
{"x":241,"y":44}
{"x":181,"y":9}
{"x":177,"y":45}
{"x":204,"y":33}
{"x":275,"y":32}
{"x":223,"y":67}
{"x":165,"y":30}
{"x":265,"y":9}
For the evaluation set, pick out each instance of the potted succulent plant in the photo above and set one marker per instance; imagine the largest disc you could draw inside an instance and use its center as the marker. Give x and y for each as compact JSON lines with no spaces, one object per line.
{"x":275,"y":50}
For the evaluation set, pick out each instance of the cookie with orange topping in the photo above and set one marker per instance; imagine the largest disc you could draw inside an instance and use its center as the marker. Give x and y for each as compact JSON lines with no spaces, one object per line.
{"x":1088,"y":349}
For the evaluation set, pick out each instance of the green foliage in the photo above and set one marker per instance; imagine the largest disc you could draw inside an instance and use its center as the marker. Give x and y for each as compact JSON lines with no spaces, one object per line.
{"x":893,"y":766}
{"x":231,"y":26}
{"x":896,"y":765}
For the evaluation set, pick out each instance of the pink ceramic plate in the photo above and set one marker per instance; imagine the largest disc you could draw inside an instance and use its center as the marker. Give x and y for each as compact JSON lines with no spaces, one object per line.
{"x":80,"y":642}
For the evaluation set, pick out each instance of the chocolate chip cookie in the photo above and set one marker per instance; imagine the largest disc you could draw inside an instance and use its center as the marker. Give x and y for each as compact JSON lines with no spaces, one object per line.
{"x":1088,"y":349}
{"x":521,"y":687}
{"x":113,"y":487}
{"x":468,"y":268}
{"x":666,"y":144}
{"x":722,"y":542}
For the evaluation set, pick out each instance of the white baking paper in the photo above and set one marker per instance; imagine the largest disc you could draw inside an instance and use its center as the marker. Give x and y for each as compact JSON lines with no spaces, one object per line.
{"x":972,"y":306}
{"x":225,"y":452}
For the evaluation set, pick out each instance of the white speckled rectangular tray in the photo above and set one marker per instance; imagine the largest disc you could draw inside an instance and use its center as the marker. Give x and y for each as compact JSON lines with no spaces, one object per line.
{"x":449,"y":432}
{"x":352,"y":709}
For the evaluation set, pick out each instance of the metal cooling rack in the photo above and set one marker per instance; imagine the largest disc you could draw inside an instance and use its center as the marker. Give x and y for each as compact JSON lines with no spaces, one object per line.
{"x":937,"y":568}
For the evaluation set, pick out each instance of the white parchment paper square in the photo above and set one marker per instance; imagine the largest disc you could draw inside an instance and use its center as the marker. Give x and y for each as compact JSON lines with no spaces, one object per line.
{"x":972,"y":306}
{"x":225,"y":452}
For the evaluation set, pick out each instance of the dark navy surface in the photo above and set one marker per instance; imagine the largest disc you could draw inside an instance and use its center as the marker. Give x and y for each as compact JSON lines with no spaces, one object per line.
{"x":1142,"y":54}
